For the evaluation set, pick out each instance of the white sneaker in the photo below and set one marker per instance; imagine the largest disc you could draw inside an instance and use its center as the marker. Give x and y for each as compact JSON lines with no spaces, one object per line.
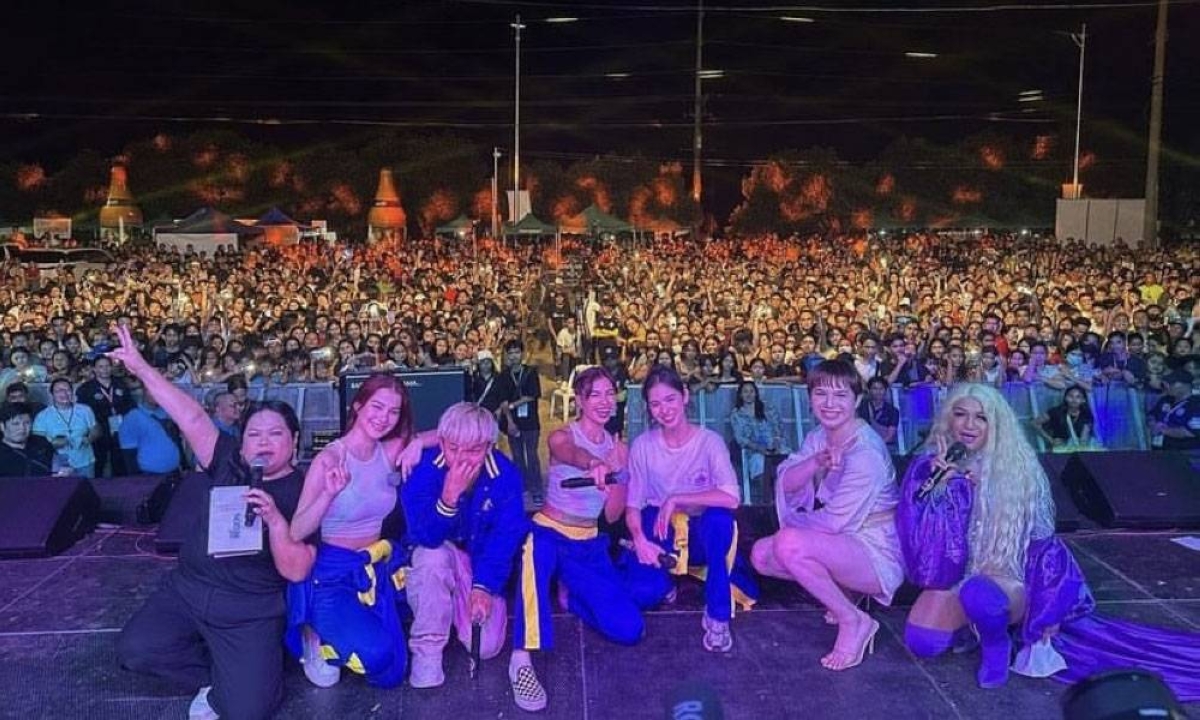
{"x":717,"y":637}
{"x":427,"y":671}
{"x":200,"y":709}
{"x":527,"y":690}
{"x":316,"y":669}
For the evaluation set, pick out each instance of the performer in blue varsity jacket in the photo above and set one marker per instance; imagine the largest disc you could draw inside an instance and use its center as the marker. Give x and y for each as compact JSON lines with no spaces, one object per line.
{"x":565,"y":542}
{"x":466,"y":520}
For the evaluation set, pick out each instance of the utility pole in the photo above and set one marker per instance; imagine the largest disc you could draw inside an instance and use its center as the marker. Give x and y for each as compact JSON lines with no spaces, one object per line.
{"x":519,"y":211}
{"x":697,"y":142}
{"x":1081,"y":41}
{"x":495,"y":193}
{"x":1150,"y":229}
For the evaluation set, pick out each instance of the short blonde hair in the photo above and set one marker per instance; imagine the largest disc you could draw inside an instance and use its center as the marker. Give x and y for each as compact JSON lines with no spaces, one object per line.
{"x":466,"y":423}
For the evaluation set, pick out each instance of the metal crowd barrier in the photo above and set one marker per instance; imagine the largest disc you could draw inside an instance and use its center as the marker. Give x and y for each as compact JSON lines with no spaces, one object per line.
{"x":1119,"y":411}
{"x":316,"y":404}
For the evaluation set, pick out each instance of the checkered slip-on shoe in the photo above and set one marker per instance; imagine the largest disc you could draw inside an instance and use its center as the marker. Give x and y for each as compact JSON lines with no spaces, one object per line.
{"x":527,"y":690}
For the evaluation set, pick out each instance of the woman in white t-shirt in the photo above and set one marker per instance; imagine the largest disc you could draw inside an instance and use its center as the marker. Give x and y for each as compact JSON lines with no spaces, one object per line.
{"x":682,"y":494}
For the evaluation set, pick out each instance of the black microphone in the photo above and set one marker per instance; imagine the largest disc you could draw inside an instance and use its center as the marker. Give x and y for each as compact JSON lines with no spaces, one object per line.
{"x":476,"y":641}
{"x":694,"y":701}
{"x":666,"y":560}
{"x":256,"y":482}
{"x":956,"y":452}
{"x":574,"y":483}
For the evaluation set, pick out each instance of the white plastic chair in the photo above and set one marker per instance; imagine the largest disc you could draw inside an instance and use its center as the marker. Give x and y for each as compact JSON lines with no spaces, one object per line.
{"x":564,"y":394}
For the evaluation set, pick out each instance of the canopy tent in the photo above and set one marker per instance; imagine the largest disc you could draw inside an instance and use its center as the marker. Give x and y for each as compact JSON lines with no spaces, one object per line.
{"x":594,"y":222}
{"x":529,"y":226}
{"x":204,"y":230}
{"x":460,"y":226}
{"x":279,"y":229}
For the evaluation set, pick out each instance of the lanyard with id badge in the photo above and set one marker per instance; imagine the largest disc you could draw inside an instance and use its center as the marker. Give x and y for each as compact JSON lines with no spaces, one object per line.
{"x":518,"y":380}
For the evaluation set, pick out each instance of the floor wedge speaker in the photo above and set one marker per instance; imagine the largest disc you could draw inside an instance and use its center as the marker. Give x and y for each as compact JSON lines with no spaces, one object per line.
{"x":1152,"y":490}
{"x":42,"y":516}
{"x":1067,"y":517}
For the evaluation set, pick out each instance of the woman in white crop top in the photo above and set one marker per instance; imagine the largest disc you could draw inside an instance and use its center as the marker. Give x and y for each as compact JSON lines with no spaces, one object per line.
{"x":344,"y":614}
{"x":565,"y":541}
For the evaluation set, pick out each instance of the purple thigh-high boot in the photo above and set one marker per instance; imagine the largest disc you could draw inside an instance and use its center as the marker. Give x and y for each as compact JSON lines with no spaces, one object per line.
{"x":927,"y":642}
{"x":986,"y":606}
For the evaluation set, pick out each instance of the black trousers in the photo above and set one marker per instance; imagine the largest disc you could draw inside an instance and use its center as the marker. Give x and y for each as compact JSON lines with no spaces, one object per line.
{"x":525,"y":457}
{"x":196,"y":635}
{"x":109,"y":461}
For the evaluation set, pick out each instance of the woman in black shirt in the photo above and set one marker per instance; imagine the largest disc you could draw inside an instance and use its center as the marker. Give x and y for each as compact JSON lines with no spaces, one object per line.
{"x":1070,"y":423}
{"x":217,"y":623}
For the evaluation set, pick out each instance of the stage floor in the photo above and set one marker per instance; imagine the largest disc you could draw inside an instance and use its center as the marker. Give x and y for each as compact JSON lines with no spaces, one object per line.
{"x":59,"y":618}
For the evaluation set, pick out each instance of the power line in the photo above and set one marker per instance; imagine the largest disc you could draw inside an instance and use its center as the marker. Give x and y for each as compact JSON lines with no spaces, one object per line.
{"x":995,"y":8}
{"x":441,"y":52}
{"x":993,"y":117}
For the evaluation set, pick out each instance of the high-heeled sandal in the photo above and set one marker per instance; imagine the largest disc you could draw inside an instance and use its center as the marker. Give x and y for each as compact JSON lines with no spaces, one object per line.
{"x":866,"y":648}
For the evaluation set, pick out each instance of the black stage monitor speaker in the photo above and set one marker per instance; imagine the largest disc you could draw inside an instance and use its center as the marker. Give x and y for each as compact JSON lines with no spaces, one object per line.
{"x":43,"y":516}
{"x":1135,"y":489}
{"x":431,"y":391}
{"x":1067,"y":516}
{"x":120,"y":497}
{"x":186,"y":507}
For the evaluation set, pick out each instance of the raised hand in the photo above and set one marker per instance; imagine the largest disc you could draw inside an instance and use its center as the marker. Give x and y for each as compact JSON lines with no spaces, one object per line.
{"x":830,"y":457}
{"x":126,"y":352}
{"x":337,"y":476}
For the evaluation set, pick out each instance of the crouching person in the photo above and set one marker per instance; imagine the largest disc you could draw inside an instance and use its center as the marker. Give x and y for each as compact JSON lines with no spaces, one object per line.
{"x":465,"y":521}
{"x":565,"y":541}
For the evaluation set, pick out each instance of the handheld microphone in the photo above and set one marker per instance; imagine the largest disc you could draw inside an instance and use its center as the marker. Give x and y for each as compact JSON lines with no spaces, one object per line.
{"x":956,"y":452}
{"x":666,"y":560}
{"x":574,"y":483}
{"x":256,"y":482}
{"x":476,"y":641}
{"x":694,"y":701}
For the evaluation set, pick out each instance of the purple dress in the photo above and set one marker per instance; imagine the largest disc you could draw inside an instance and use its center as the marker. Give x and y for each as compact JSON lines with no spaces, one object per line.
{"x":934,"y":536}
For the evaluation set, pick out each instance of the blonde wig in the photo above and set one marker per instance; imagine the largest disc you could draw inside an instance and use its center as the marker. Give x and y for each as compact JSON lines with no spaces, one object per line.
{"x":1013,"y":502}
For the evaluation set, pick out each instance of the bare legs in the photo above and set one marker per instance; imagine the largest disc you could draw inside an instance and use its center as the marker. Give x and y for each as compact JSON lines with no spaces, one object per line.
{"x":827,"y":566}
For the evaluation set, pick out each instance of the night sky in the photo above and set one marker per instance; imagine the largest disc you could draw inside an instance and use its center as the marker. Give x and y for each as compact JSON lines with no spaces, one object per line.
{"x":305,"y":72}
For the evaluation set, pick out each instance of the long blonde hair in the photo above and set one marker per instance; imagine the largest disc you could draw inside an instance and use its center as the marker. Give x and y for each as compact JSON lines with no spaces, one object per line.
{"x":1013,"y":498}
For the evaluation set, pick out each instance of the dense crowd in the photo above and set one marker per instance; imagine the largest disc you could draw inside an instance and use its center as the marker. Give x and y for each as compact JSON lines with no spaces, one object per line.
{"x":907,"y":308}
{"x":971,"y":524}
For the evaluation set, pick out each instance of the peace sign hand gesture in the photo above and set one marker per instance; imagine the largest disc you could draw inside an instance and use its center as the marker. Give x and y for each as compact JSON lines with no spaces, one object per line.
{"x":127,"y":353}
{"x":337,"y":477}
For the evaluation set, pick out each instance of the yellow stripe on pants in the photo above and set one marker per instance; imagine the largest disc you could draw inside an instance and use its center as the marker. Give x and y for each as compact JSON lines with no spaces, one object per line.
{"x":529,"y":597}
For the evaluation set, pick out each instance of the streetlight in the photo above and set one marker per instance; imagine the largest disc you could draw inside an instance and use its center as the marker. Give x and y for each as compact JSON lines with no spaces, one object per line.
{"x":1081,"y":41}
